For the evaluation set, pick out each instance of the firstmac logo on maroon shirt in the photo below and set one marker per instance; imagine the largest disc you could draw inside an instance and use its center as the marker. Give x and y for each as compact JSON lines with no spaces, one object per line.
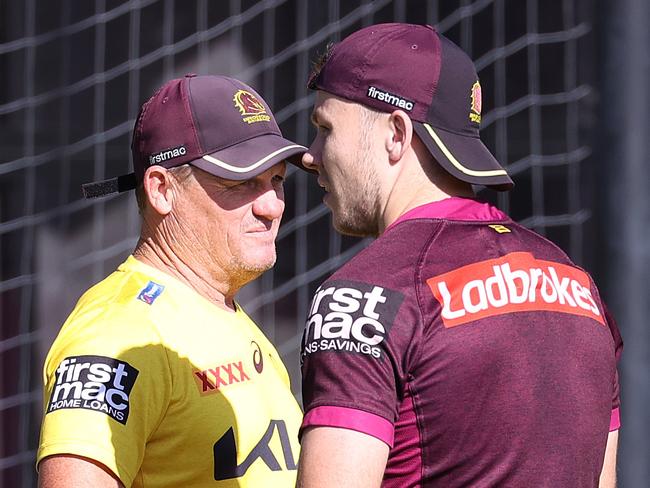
{"x":351,"y":317}
{"x":515,"y":282}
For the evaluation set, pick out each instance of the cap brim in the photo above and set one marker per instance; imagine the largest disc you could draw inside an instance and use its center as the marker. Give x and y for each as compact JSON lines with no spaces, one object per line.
{"x":251,"y":157}
{"x":464,"y":157}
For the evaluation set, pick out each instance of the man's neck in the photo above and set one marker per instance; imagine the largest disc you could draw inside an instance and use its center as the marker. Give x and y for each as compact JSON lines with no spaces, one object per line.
{"x":396,"y":207}
{"x":414,"y":188}
{"x":163,"y":258}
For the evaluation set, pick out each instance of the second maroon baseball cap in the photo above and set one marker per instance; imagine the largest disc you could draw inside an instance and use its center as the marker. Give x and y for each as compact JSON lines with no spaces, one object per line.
{"x":415,"y":69}
{"x":215,"y":123}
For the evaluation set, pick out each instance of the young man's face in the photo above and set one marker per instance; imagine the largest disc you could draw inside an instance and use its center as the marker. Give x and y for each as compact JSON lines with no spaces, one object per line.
{"x":233,"y":223}
{"x":344,"y":153}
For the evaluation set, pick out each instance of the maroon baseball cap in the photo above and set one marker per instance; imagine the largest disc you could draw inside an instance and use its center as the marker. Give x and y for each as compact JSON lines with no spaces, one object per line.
{"x":415,"y":69}
{"x":215,"y":123}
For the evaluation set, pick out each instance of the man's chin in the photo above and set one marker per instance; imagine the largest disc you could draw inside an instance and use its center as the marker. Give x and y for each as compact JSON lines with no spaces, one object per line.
{"x":258,"y":265}
{"x":353,"y":229}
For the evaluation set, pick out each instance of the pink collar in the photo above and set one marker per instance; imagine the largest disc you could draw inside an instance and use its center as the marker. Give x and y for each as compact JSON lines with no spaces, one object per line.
{"x":453,"y":208}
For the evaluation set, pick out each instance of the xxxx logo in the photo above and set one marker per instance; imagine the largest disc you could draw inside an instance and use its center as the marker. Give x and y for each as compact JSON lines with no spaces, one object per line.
{"x":212,"y":379}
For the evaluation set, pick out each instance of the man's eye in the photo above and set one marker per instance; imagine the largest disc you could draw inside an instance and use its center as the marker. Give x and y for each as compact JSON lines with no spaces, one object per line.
{"x":236,"y":185}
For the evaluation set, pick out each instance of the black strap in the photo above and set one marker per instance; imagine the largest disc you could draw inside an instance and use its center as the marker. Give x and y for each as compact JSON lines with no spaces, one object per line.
{"x":107,"y":187}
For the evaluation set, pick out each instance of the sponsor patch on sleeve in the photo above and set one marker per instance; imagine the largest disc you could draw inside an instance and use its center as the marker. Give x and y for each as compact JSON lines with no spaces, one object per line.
{"x":515,"y":282}
{"x":350,"y":317}
{"x":150,"y":292}
{"x":95,"y":383}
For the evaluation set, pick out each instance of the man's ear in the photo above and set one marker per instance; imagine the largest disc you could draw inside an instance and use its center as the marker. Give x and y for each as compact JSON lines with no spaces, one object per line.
{"x":158,"y":189}
{"x":401,"y":134}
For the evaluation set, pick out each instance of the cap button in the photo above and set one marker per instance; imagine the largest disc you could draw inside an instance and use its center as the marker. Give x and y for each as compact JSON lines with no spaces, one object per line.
{"x":190,"y":75}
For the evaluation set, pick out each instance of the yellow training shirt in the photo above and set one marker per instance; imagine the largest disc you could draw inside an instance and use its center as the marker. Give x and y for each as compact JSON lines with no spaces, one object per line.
{"x":166,"y":389}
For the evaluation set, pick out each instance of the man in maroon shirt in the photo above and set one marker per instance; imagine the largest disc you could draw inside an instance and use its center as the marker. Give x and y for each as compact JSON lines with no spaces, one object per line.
{"x":459,"y":348}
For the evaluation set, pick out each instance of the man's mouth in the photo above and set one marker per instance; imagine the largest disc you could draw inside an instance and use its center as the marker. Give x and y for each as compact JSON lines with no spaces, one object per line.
{"x":323,"y":185}
{"x":260,"y":228}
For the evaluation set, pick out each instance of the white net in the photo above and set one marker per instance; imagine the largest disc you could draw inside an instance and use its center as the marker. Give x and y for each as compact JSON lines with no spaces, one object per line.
{"x":72,"y":78}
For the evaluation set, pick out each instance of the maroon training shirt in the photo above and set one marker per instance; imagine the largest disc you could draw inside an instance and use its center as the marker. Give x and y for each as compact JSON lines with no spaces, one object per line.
{"x":473,"y":347}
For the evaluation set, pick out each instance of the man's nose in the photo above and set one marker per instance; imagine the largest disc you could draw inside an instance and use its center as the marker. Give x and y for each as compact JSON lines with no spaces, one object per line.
{"x":269,"y":205}
{"x":309,"y":160}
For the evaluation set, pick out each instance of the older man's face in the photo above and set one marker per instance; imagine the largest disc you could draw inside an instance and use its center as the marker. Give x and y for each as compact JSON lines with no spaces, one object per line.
{"x":232,"y":224}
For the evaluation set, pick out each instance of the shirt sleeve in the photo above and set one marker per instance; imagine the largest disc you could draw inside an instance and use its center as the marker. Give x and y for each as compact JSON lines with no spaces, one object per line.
{"x":615,"y":422}
{"x":104,"y":394}
{"x":354,"y":356}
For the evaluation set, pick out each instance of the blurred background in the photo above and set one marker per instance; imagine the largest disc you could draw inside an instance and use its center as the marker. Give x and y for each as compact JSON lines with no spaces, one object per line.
{"x":566,"y":106}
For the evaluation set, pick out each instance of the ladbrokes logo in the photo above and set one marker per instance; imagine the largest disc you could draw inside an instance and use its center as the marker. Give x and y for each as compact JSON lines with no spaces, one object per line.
{"x":251,"y":109}
{"x":350,"y":316}
{"x":94,"y":383}
{"x":516,"y":282}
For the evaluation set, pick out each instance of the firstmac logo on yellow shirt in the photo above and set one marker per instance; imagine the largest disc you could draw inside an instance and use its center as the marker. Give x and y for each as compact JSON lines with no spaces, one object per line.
{"x":95,"y":383}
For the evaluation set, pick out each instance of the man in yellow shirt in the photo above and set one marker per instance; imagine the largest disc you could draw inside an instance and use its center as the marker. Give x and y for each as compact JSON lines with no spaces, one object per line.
{"x":158,"y":377}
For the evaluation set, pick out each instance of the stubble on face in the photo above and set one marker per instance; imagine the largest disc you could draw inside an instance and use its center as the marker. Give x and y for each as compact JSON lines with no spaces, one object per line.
{"x":359,"y":209}
{"x":250,"y":254}
{"x":245,"y":268}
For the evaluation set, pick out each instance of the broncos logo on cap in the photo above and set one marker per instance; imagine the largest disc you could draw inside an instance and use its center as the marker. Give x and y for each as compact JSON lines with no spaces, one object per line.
{"x":251,"y":109}
{"x":477,"y":103}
